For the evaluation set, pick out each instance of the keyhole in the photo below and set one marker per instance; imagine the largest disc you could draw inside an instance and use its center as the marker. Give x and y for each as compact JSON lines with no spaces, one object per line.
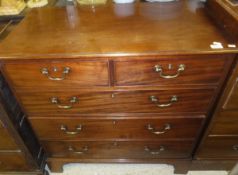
{"x":115,"y":144}
{"x":113,"y":95}
{"x":55,"y":69}
{"x":170,"y":66}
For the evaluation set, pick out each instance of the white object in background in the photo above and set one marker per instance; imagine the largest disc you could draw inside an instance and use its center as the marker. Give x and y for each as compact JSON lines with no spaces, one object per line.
{"x":232,"y":46}
{"x":216,"y":45}
{"x":36,"y":3}
{"x":193,"y":5}
{"x":123,"y":1}
{"x":124,"y":10}
{"x":160,"y":0}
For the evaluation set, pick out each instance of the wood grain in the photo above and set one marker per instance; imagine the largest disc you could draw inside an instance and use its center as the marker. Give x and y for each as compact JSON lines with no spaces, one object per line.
{"x":225,"y":124}
{"x":13,"y":162}
{"x":82,"y":73}
{"x":194,"y":100}
{"x":176,"y":27}
{"x":219,"y":148}
{"x":225,"y":15}
{"x":6,"y":141}
{"x":121,"y":150}
{"x":197,"y":71}
{"x":116,"y":128}
{"x":112,"y":57}
{"x":220,"y":135}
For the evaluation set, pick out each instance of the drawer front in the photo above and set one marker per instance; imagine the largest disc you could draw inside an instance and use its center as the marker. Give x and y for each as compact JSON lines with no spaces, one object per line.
{"x":163,"y":101}
{"x":109,"y":129}
{"x":120,"y":150}
{"x":6,"y":141}
{"x":219,"y":148}
{"x":70,"y":74}
{"x":170,"y":71}
{"x":226,"y":123}
{"x":13,"y":162}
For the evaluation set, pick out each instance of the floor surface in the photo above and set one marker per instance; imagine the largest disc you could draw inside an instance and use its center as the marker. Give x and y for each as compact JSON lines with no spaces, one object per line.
{"x":127,"y":169}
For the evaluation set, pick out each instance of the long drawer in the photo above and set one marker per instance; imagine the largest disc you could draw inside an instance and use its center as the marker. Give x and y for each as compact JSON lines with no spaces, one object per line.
{"x":219,"y":148}
{"x":13,"y":162}
{"x":72,"y":128}
{"x":57,"y":74}
{"x":121,"y":150}
{"x":170,"y":71}
{"x":226,"y":123}
{"x":160,"y":101}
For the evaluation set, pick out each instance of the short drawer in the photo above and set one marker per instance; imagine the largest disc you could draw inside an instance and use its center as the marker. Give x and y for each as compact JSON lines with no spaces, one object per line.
{"x":6,"y":141}
{"x":226,"y":123}
{"x":13,"y":162}
{"x":161,"y":101}
{"x":219,"y":148}
{"x":108,"y":129}
{"x":57,"y":74}
{"x":170,"y":71}
{"x":121,"y":150}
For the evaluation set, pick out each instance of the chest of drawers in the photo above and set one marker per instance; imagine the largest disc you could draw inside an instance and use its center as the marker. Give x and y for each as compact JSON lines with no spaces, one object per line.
{"x":102,"y":93}
{"x":221,"y":140}
{"x":144,"y":121}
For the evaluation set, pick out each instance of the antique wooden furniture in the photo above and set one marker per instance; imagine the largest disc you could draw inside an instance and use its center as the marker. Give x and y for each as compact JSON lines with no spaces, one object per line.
{"x":225,"y":14}
{"x":220,"y":139}
{"x":101,"y":84}
{"x":20,"y":151}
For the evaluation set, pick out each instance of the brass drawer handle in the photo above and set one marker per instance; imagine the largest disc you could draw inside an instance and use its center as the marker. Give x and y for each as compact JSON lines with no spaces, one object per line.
{"x":155,"y":100}
{"x":45,"y":72}
{"x":78,"y":129}
{"x":55,"y":100}
{"x":235,"y":147}
{"x":166,"y":128}
{"x":84,"y":150}
{"x":159,"y":70}
{"x":161,"y":149}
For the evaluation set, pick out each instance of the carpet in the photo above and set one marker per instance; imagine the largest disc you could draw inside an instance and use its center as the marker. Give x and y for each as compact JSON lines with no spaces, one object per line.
{"x":127,"y":169}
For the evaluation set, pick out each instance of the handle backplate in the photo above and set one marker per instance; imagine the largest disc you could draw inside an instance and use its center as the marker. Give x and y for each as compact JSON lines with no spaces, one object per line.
{"x":154,"y":152}
{"x":165,"y":129}
{"x":159,"y":69}
{"x":45,"y":71}
{"x":65,"y":129}
{"x":74,"y":151}
{"x":155,"y":100}
{"x":235,"y":147}
{"x":73,"y":100}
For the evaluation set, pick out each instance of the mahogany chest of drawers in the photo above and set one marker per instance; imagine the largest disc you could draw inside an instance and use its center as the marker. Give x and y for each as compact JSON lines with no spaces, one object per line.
{"x":221,"y":140}
{"x":98,"y":86}
{"x":219,"y":143}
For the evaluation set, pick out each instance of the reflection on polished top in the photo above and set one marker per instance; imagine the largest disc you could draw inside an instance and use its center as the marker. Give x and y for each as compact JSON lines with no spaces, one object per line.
{"x":115,"y":29}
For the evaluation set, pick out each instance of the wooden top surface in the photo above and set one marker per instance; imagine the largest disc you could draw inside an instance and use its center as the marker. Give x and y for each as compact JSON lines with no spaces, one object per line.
{"x":180,"y":27}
